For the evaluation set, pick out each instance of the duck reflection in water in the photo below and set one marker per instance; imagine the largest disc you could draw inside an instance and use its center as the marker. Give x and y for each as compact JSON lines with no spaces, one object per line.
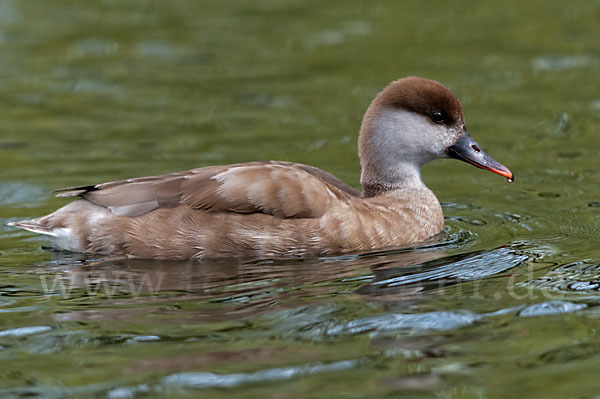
{"x":252,"y":287}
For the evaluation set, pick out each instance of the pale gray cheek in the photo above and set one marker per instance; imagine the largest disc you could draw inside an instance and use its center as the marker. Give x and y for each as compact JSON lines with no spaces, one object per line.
{"x":445,"y":138}
{"x":451,"y":136}
{"x":449,"y":140}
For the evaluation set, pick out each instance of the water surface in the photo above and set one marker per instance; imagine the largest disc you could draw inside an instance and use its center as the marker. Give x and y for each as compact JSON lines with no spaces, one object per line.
{"x":504,"y":306}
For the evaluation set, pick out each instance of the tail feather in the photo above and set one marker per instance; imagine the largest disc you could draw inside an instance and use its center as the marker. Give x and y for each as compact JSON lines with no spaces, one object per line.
{"x":33,"y":225}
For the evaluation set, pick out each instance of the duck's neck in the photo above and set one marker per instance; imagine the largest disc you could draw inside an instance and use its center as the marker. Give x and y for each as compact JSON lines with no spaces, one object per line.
{"x":391,"y":149}
{"x":379,"y":179}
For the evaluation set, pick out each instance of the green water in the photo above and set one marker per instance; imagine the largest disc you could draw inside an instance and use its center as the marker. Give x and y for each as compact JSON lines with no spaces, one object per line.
{"x":503,"y":307}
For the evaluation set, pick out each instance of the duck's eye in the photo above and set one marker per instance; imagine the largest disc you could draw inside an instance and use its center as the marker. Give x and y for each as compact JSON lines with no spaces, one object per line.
{"x":437,"y":116}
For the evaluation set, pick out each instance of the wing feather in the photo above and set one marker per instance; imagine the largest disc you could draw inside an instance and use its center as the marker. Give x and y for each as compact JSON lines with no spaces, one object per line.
{"x":280,"y":189}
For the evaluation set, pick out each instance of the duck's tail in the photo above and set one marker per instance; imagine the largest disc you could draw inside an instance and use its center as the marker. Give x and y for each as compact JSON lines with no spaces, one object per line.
{"x":34,"y":225}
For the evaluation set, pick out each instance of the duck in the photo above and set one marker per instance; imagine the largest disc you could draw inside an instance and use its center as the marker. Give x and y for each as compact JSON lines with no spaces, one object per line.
{"x":276,"y":209}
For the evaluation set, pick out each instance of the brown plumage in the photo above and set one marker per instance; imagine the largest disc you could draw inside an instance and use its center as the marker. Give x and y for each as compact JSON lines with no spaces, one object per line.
{"x":280,"y":209}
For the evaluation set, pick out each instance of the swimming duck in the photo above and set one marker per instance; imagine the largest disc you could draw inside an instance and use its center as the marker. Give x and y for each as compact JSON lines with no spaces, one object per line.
{"x":283,"y":209}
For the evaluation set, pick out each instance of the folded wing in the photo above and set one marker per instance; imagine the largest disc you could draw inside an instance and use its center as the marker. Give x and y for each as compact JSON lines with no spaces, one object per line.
{"x":280,"y":189}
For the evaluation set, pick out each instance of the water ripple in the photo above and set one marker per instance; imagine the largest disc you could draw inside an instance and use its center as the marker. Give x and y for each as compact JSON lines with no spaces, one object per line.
{"x":551,"y":307}
{"x":446,"y":270}
{"x":212,"y":380}
{"x":15,"y":193}
{"x":398,"y":321}
{"x":317,"y":323}
{"x":580,"y":276}
{"x":24,"y":331}
{"x":562,"y":62}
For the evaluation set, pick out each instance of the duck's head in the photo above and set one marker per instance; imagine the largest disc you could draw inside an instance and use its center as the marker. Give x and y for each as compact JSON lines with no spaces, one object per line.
{"x":411,"y":122}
